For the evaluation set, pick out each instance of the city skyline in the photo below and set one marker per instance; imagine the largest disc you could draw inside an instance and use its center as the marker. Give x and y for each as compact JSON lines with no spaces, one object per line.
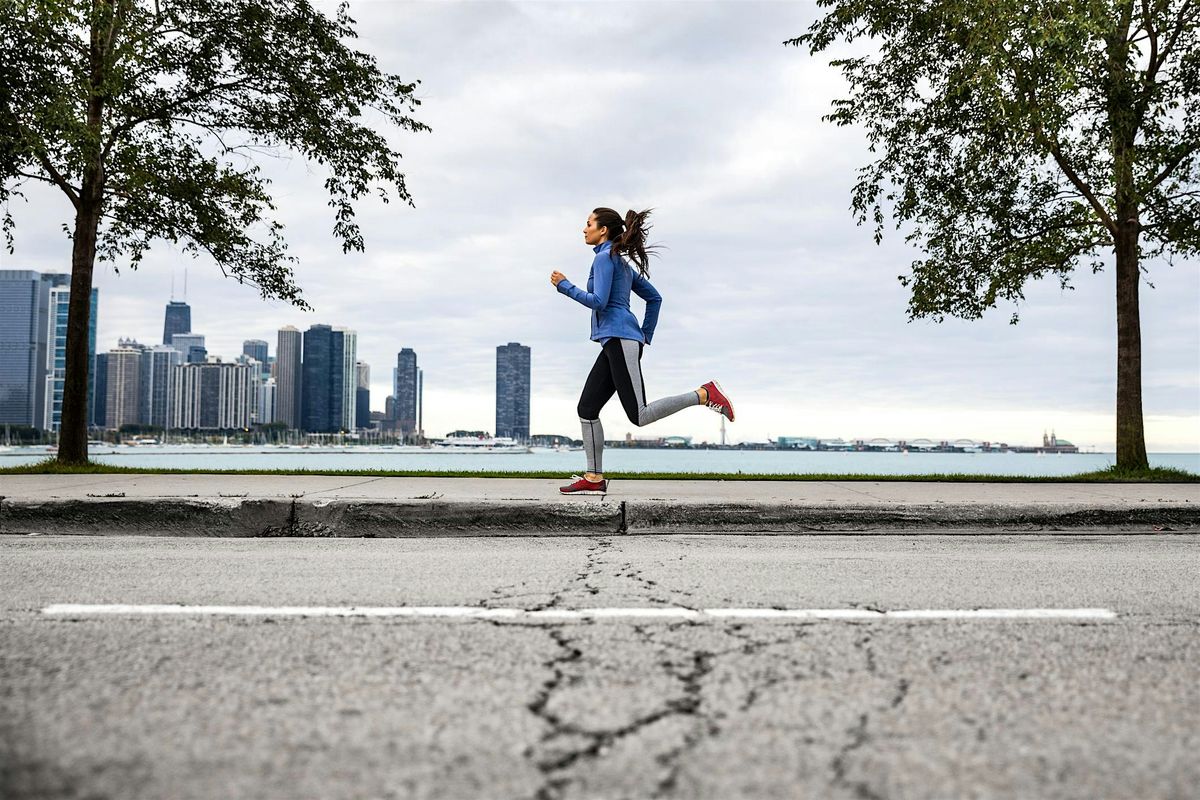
{"x":360,"y":373}
{"x":768,"y":284}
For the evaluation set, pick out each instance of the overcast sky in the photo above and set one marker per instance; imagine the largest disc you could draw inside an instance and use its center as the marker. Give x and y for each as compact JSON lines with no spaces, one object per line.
{"x":541,"y":112}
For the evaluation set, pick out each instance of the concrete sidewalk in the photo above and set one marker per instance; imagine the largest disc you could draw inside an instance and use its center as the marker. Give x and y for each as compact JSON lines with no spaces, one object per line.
{"x":297,"y":505}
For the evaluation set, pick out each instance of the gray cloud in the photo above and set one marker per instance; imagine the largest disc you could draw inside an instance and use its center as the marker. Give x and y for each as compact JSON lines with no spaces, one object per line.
{"x":542,"y":111}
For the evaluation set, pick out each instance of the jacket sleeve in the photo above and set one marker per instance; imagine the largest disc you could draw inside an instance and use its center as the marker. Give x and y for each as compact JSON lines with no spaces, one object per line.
{"x":602,"y":277}
{"x":643,"y":289}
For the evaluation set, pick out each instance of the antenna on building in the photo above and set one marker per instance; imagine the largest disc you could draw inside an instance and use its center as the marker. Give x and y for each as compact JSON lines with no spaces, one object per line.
{"x":185,"y":284}
{"x":172,"y":286}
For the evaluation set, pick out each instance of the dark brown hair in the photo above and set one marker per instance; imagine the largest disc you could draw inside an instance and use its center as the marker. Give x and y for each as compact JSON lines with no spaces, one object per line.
{"x":628,"y":236}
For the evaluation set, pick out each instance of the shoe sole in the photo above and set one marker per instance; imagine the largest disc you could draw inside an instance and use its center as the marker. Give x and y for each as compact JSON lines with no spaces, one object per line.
{"x":728,"y":404}
{"x":583,"y":491}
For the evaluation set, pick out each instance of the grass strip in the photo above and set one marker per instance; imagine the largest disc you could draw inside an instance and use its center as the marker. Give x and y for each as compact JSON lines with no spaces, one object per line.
{"x":1110,"y":475}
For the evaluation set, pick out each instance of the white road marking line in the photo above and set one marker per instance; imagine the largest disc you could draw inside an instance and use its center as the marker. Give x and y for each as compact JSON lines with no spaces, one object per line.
{"x":567,"y":614}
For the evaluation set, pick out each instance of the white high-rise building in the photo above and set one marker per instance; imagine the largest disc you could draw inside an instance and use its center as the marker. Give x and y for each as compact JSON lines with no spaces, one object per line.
{"x":287,"y":376}
{"x":124,"y":388}
{"x":215,"y":395}
{"x":157,"y":383}
{"x":348,"y":379}
{"x":266,"y":402}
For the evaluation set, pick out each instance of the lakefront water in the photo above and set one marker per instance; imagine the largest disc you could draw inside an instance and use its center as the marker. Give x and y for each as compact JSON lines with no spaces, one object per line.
{"x":757,"y":462}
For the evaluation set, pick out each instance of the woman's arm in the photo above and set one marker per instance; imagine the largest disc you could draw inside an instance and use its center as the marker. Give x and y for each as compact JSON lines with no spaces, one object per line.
{"x":602,"y":275}
{"x":643,"y":289}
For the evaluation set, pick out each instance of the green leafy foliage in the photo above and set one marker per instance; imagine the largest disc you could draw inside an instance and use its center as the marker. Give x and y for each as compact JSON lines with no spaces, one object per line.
{"x":1020,"y":140}
{"x":157,"y":113}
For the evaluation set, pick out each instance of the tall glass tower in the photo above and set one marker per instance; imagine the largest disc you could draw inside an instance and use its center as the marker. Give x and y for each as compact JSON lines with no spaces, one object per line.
{"x":56,"y":354}
{"x":512,"y":391}
{"x":328,"y":384}
{"x":405,"y":392}
{"x":257,"y":349}
{"x":362,"y":395}
{"x":24,"y":310}
{"x":177,"y":320}
{"x":317,"y":367}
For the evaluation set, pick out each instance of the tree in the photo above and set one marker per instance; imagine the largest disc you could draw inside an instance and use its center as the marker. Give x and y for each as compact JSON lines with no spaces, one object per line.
{"x":148,"y":116}
{"x":1018,"y":140}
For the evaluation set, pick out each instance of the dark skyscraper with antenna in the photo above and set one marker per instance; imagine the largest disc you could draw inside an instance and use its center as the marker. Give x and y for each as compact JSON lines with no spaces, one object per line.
{"x":179,"y":313}
{"x":178,"y":320}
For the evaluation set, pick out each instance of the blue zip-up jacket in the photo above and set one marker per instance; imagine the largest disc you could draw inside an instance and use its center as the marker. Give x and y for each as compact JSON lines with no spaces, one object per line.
{"x":608,"y":287}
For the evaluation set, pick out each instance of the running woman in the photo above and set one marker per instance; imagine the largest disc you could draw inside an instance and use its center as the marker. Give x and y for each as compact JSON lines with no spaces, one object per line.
{"x":618,"y":367}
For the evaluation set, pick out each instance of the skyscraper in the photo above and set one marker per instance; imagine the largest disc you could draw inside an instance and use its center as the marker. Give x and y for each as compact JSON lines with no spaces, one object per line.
{"x":56,"y":354}
{"x":362,"y":404}
{"x":257,"y":349}
{"x":347,"y":408}
{"x":266,"y":402}
{"x":405,"y":392}
{"x":178,"y":319}
{"x":512,"y":391}
{"x":288,"y":376}
{"x":24,"y":312}
{"x":328,"y":383}
{"x":157,"y":380}
{"x":100,"y":391}
{"x":317,"y":367}
{"x":215,"y":395}
{"x":192,"y":347}
{"x":124,"y":384}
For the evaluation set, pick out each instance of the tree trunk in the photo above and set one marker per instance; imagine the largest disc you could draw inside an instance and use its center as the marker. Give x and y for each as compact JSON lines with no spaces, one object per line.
{"x":1131,"y":437}
{"x":72,"y":437}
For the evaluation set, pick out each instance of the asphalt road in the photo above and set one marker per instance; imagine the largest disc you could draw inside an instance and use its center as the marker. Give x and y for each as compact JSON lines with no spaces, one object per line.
{"x":285,"y":707}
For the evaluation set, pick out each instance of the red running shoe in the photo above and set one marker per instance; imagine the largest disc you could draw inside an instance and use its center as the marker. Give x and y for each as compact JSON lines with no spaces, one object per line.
{"x":717,"y":400}
{"x":584,"y":486}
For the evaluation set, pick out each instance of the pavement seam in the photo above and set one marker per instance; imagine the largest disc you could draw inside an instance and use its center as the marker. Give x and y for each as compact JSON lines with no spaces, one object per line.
{"x":339,"y":488}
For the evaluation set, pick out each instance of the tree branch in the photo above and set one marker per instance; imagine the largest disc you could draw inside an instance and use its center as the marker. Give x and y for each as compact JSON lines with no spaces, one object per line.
{"x":1083,"y":188}
{"x":1152,"y":66}
{"x":1176,"y":31}
{"x":1169,"y":168}
{"x":1051,"y":143}
{"x":1063,"y":226}
{"x":57,"y":179}
{"x":165,"y":111}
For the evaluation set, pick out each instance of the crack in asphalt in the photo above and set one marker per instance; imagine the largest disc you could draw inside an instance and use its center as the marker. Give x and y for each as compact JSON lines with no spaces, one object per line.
{"x":567,"y":744}
{"x":583,"y":744}
{"x":859,"y":734}
{"x":858,"y":737}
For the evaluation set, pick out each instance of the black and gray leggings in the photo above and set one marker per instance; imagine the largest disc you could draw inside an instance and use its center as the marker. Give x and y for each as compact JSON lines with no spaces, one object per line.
{"x":618,"y":369}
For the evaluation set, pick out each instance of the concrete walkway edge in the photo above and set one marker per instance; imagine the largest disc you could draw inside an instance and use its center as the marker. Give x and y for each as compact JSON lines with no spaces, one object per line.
{"x":305,"y":517}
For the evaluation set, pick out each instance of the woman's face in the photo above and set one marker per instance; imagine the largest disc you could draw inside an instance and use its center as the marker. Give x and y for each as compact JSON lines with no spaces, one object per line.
{"x":593,"y":235}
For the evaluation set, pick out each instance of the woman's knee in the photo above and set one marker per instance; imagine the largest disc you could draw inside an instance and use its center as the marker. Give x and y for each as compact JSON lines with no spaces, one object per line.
{"x":586,"y":411}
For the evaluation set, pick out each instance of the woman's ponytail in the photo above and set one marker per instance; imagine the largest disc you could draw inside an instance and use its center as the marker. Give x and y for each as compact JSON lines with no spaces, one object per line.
{"x":628,"y":236}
